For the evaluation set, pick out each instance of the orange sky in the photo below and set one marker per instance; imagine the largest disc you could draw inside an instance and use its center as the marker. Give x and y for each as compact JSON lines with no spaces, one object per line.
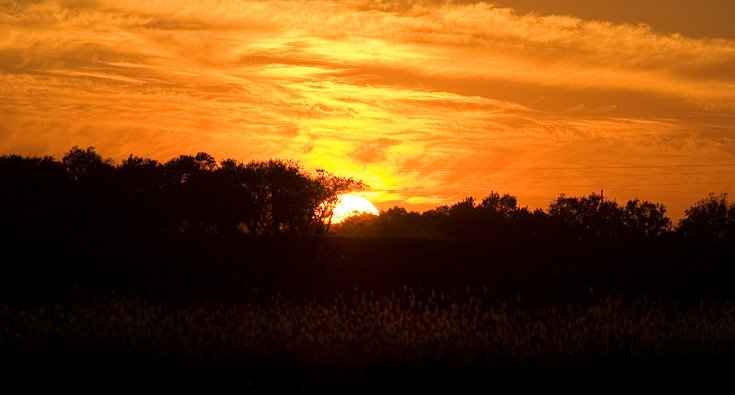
{"x":426,"y":101}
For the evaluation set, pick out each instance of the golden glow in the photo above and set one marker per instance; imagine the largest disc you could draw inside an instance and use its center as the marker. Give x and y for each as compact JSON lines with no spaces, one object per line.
{"x":350,"y":205}
{"x":426,"y":101}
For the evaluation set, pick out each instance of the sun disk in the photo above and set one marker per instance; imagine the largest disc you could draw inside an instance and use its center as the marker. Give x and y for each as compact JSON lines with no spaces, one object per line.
{"x":350,"y":205}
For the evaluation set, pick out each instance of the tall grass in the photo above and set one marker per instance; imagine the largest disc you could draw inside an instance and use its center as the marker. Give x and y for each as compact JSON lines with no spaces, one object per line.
{"x":361,"y":343}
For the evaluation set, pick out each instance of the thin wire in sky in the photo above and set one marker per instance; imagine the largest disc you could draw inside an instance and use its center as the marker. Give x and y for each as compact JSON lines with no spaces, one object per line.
{"x":416,"y":168}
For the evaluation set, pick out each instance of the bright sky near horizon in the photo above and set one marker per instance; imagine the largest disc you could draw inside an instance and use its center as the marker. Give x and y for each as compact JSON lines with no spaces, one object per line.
{"x":426,"y":101}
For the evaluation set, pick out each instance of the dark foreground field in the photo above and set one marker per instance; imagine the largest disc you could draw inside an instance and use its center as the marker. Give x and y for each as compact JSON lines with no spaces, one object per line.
{"x":195,"y":314}
{"x":366,"y":345}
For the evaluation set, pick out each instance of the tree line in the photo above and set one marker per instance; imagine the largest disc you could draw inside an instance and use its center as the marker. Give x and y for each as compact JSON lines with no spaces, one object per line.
{"x":585,"y":218}
{"x":195,"y":194}
{"x":189,"y":193}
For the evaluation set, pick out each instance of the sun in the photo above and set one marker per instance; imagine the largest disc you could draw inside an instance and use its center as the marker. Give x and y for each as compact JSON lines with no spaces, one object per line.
{"x":350,"y":205}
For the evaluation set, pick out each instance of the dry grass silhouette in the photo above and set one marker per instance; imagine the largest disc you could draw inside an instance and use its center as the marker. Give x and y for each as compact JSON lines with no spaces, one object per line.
{"x":271,"y":345}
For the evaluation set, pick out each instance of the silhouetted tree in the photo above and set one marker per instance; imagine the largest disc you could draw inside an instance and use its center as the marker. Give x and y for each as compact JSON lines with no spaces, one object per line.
{"x":645,"y":219}
{"x":82,"y":164}
{"x":326,"y":189}
{"x":193,"y":193}
{"x":436,"y":217}
{"x":587,"y":217}
{"x":33,"y":192}
{"x":141,"y":174}
{"x":397,"y":222}
{"x":362,"y":225}
{"x":141,"y":204}
{"x":534,"y":225}
{"x":93,"y":192}
{"x":232,"y":202}
{"x":273,"y":187}
{"x":187,"y":192}
{"x":710,"y":219}
{"x":286,"y":200}
{"x":503,"y":205}
{"x":462,"y":221}
{"x":502,"y":218}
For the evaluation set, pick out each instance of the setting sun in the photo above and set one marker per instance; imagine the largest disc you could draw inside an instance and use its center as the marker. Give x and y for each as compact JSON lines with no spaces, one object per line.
{"x":350,"y":205}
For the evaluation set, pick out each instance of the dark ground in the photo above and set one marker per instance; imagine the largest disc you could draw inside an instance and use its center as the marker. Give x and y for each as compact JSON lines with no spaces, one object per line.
{"x":223,"y":268}
{"x":183,"y":270}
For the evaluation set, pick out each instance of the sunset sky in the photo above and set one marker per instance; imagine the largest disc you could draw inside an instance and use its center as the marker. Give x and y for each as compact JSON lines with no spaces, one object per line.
{"x":426,"y":101}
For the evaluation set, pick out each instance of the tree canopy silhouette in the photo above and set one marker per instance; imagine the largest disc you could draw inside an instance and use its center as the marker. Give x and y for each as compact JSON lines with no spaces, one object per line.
{"x":498,"y":216}
{"x":195,"y":194}
{"x":189,"y":193}
{"x":711,"y":219}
